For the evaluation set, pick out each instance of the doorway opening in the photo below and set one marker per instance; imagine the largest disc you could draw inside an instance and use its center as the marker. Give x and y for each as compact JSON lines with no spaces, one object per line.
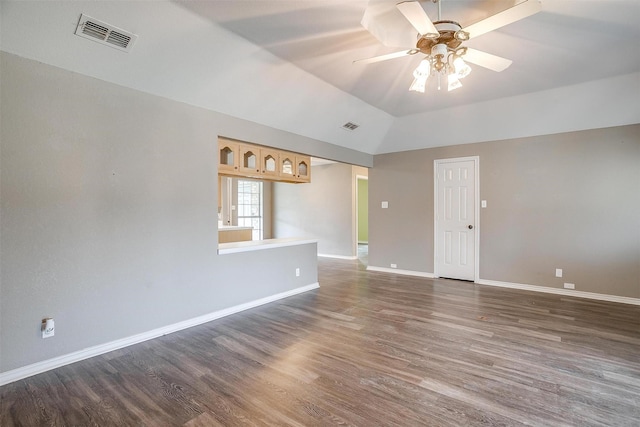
{"x":362,"y":218}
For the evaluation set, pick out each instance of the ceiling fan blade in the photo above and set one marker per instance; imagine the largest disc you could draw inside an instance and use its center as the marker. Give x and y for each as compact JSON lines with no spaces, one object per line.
{"x":382,"y":20}
{"x":386,"y":57}
{"x":506,"y":17}
{"x":416,"y":15}
{"x":486,"y":60}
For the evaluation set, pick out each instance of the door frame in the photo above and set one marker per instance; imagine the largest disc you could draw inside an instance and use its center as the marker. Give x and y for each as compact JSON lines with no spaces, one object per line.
{"x":476,"y":211}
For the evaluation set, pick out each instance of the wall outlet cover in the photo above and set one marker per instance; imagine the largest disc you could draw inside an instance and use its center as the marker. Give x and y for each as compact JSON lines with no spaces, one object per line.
{"x":48,"y":328}
{"x":569,"y":286}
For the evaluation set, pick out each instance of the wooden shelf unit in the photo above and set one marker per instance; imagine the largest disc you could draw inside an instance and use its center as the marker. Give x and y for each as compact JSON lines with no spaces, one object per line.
{"x":254,"y":161}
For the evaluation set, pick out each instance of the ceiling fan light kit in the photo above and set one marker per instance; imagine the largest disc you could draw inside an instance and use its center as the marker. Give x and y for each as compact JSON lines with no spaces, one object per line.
{"x":421,"y":74}
{"x":440,"y":41}
{"x":442,"y":61}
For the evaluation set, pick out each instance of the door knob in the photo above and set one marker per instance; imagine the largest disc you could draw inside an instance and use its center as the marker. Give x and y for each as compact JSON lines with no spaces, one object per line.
{"x":470,"y":227}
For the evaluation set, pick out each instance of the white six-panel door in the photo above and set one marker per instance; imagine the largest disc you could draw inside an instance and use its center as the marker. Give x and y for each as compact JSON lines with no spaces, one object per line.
{"x":455,"y":218}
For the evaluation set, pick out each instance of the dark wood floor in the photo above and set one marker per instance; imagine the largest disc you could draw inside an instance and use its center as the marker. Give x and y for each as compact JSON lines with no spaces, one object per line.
{"x":367,"y":349}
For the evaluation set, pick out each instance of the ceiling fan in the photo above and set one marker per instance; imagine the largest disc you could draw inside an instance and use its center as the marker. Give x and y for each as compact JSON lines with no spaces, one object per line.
{"x":441,"y":40}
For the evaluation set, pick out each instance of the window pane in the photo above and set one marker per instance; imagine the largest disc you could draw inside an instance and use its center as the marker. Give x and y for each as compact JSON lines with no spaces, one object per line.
{"x":250,"y":206}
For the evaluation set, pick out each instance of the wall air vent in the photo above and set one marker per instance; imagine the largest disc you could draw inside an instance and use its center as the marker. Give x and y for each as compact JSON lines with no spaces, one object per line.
{"x":104,"y":33}
{"x":350,"y":126}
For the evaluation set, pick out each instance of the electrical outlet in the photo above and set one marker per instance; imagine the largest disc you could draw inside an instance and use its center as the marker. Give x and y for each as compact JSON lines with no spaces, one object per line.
{"x":558,"y":272}
{"x":48,"y":328}
{"x":384,"y":205}
{"x":569,"y":285}
{"x":297,"y":272}
{"x":394,"y":265}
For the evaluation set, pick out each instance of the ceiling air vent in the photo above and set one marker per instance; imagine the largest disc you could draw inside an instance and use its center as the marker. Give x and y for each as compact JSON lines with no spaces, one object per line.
{"x":104,"y":33}
{"x":350,"y":126}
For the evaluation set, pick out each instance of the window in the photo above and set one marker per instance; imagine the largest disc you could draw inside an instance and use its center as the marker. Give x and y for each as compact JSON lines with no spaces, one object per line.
{"x":250,"y":206}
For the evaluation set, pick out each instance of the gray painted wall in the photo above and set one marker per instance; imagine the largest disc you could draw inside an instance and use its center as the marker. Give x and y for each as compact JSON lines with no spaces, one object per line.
{"x":569,"y":201}
{"x":322,"y":209}
{"x":108,"y":213}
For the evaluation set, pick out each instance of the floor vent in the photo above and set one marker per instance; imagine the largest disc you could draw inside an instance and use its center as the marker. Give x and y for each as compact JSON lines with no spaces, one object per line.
{"x":350,"y":126}
{"x":104,"y":33}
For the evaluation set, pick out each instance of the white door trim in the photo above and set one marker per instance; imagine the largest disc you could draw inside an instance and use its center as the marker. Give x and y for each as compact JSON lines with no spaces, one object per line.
{"x":476,"y":211}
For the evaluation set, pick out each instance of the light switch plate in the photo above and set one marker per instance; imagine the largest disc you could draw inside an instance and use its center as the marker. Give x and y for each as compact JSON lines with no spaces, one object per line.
{"x":484,"y":203}
{"x":558,"y":272}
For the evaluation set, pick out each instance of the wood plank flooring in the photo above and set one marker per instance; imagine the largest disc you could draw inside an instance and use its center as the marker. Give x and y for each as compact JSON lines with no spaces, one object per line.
{"x":366,"y":349}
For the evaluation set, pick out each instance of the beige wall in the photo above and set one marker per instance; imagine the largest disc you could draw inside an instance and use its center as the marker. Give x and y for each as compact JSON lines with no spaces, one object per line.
{"x":569,"y":201}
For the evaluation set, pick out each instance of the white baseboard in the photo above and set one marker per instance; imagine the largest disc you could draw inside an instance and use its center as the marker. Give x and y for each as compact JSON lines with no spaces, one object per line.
{"x":338,"y":256}
{"x":567,"y":292}
{"x":535,"y":288}
{"x":403,"y":272}
{"x":56,"y":362}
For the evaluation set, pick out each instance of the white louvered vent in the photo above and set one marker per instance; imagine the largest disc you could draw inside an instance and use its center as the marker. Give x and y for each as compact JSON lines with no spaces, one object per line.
{"x":350,"y":126}
{"x":101,"y":32}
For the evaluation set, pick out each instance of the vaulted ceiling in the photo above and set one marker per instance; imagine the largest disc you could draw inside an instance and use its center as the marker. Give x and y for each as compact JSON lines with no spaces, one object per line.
{"x":568,"y":42}
{"x":289,"y":65}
